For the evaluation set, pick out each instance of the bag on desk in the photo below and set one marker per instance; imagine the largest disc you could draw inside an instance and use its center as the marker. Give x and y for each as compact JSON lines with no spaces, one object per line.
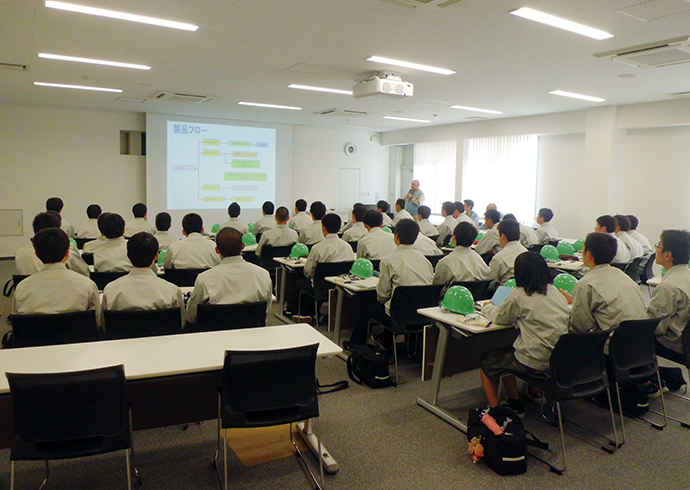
{"x":369,"y":365}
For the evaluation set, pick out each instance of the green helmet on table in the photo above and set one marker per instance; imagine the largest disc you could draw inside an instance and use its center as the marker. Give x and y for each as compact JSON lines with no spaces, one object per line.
{"x":249,"y":239}
{"x":251,"y":227}
{"x":362,"y":268}
{"x":565,"y":282}
{"x":550,"y":253}
{"x":510,"y":283}
{"x":299,"y":250}
{"x":161,"y":257}
{"x":565,"y":248}
{"x":386,"y":229}
{"x":216,"y":228}
{"x":458,"y":299}
{"x":579,"y":244}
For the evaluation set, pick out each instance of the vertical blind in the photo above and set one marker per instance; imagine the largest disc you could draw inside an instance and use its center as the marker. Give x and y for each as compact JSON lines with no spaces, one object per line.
{"x":434,"y":168}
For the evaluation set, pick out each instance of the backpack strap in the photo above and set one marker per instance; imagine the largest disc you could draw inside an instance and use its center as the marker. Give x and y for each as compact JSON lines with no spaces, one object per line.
{"x":9,"y":288}
{"x":331,"y":388}
{"x":534,"y":441}
{"x":351,"y":370}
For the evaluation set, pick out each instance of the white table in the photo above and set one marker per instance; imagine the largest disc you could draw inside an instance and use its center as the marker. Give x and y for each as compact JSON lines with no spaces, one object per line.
{"x":287,"y":265}
{"x":344,"y":287}
{"x":250,"y":248}
{"x":566,"y":265}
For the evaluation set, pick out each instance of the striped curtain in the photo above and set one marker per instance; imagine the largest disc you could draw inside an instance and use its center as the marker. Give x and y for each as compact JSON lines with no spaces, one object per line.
{"x":434,"y":168}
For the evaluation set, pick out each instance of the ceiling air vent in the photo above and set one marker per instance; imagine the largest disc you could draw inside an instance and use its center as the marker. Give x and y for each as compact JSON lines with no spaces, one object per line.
{"x":180,"y":97}
{"x":411,"y":4}
{"x":653,"y":55}
{"x":341,"y":113}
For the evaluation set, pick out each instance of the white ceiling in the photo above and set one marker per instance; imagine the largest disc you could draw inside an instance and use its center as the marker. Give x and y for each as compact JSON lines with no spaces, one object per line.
{"x":250,"y":50}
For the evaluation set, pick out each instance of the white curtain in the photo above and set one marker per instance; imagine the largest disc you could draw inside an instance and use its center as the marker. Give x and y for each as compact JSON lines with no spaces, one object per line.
{"x":434,"y":168}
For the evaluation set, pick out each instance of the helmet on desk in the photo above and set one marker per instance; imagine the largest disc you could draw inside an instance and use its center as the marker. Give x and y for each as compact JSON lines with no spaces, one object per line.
{"x":550,"y":253}
{"x":216,"y":228}
{"x":510,"y":283}
{"x":362,"y":268}
{"x":480,"y":235}
{"x":251,"y":227}
{"x":579,"y":244}
{"x":249,"y":239}
{"x":161,"y":257}
{"x":565,"y":248}
{"x":386,"y":229}
{"x":458,"y":299}
{"x":73,"y":242}
{"x":299,"y":250}
{"x":565,"y":282}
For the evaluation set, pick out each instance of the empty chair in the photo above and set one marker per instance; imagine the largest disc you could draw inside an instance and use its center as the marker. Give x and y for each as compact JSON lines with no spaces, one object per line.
{"x":268,"y":253}
{"x":130,"y":324}
{"x":433,"y":259}
{"x":228,"y":317}
{"x":633,"y":269}
{"x":54,"y":328}
{"x":182,"y":277}
{"x":103,"y":278}
{"x":321,"y":286}
{"x":479,"y":289}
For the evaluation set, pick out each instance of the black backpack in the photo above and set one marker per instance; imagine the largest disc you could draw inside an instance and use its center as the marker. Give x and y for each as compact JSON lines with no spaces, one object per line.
{"x":369,"y":365}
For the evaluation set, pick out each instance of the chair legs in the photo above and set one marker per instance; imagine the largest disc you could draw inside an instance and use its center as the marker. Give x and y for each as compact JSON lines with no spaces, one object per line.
{"x":319,"y":458}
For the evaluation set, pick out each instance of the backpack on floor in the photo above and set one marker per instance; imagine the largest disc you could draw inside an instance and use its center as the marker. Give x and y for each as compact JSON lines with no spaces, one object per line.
{"x":369,"y":365}
{"x":633,"y":398}
{"x":672,"y":377}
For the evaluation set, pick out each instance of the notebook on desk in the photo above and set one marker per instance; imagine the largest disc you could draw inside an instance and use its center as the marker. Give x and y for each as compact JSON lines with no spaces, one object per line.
{"x":500,"y":295}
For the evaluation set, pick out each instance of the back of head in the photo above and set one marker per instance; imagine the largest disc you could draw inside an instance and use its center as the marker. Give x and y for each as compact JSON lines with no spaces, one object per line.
{"x":608,"y":222}
{"x":358,"y":212}
{"x":465,"y":234}
{"x":448,"y":207}
{"x":546,"y":213}
{"x":163,"y":221}
{"x":633,"y":222}
{"x":49,"y":219}
{"x":424,"y":211}
{"x":93,"y":211}
{"x":111,"y":225}
{"x":407,"y":230}
{"x":509,"y":216}
{"x":678,"y":243}
{"x":602,"y":246}
{"x":623,"y":222}
{"x":532,"y":273}
{"x":493,"y":215}
{"x":373,"y":219}
{"x":234,"y":210}
{"x":469,"y":203}
{"x":268,"y":207}
{"x":317,"y":210}
{"x":139,"y":210}
{"x":229,"y":242}
{"x":301,"y":205}
{"x":382,"y":205}
{"x":282,"y":214}
{"x":192,"y":223}
{"x":331,"y":222}
{"x":142,"y":249}
{"x":51,"y":245}
{"x":400,"y":203}
{"x":510,"y":228}
{"x":459,"y":206}
{"x":54,"y":204}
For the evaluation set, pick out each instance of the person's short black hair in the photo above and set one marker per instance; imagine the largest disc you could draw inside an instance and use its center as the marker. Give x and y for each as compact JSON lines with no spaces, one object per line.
{"x":111,"y":225}
{"x":400,"y":203}
{"x":234,"y":210}
{"x":268,"y":207}
{"x":49,"y":219}
{"x":93,"y":211}
{"x":139,"y":210}
{"x":163,"y":221}
{"x":465,"y":234}
{"x":510,"y":228}
{"x":608,"y":222}
{"x":469,"y":202}
{"x":602,"y":246}
{"x":301,"y":205}
{"x":633,"y":222}
{"x":382,"y":205}
{"x":331,"y":222}
{"x":678,"y":243}
{"x":142,"y":249}
{"x":358,"y":212}
{"x":448,"y":207}
{"x":509,"y":216}
{"x":229,"y":242}
{"x":532,"y":273}
{"x":54,"y":204}
{"x":373,"y":219}
{"x":282,"y":214}
{"x":493,"y":215}
{"x":459,"y":206}
{"x":623,"y":222}
{"x":407,"y":231}
{"x":317,"y":210}
{"x":546,"y":213}
{"x":192,"y":223}
{"x":51,"y":245}
{"x":424,"y":211}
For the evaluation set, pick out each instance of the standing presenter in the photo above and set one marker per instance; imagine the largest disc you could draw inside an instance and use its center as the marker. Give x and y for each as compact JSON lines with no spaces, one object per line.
{"x":414,"y":199}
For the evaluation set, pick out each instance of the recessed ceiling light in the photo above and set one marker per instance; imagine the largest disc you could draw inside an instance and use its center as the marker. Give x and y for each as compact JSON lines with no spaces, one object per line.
{"x":78,"y":87}
{"x":271,"y":106}
{"x":475,"y":109}
{"x":321,"y":89}
{"x":406,"y":119}
{"x":95,"y":62}
{"x":577,"y":96}
{"x":407,"y":64}
{"x":82,"y":9}
{"x":568,"y":25}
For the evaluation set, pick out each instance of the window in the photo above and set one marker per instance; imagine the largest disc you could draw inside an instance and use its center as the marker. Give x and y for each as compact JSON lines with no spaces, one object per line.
{"x":434,"y":168}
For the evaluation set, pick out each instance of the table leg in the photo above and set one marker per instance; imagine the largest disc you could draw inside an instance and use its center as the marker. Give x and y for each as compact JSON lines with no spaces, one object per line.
{"x":281,"y":304}
{"x":330,"y":465}
{"x":339,"y":318}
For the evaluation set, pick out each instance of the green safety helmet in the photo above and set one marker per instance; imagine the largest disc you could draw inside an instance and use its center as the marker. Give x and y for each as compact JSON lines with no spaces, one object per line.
{"x":579,"y":244}
{"x":480,"y":235}
{"x":215,"y":228}
{"x":161,"y":257}
{"x":458,"y":299}
{"x":251,"y":227}
{"x":565,"y":248}
{"x":73,"y":241}
{"x":451,"y":244}
{"x":248,"y":239}
{"x":510,"y":283}
{"x":299,"y":250}
{"x":386,"y":229}
{"x":565,"y":282}
{"x":550,"y":253}
{"x":362,"y":268}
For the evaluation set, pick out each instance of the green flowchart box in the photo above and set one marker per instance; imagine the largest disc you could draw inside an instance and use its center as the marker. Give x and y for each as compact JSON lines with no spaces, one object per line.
{"x":246,"y":164}
{"x":241,"y":176}
{"x":240,"y":143}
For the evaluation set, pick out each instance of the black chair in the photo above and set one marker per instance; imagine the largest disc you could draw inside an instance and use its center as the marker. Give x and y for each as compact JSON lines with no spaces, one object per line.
{"x":554,"y":242}
{"x":620,"y":265}
{"x":353,"y":246}
{"x":230,"y":317}
{"x":647,"y":270}
{"x":131,"y":324}
{"x":268,"y":253}
{"x":88,"y":258}
{"x":536,"y":248}
{"x":53,"y":329}
{"x":321,"y":286}
{"x":683,"y":359}
{"x":82,"y":241}
{"x":17,"y":278}
{"x":103,"y":278}
{"x":434,"y":259}
{"x":376,"y":263}
{"x":69,"y":415}
{"x":578,"y":370}
{"x":258,"y":237}
{"x":11,"y":285}
{"x":182,"y":277}
{"x":266,"y":388}
{"x":446,"y":241}
{"x":633,"y":269}
{"x":479,"y":289}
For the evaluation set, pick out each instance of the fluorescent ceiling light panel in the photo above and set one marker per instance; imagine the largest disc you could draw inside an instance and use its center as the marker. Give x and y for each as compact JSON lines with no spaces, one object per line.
{"x":82,"y":9}
{"x":321,"y":89}
{"x":78,"y":87}
{"x":406,"y":119}
{"x":271,"y":106}
{"x":407,"y":64}
{"x":568,"y":25}
{"x":95,"y":62}
{"x":475,"y":109}
{"x":577,"y":96}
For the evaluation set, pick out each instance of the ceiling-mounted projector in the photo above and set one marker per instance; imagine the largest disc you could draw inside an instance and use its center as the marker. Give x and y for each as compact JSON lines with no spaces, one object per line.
{"x":384,"y":84}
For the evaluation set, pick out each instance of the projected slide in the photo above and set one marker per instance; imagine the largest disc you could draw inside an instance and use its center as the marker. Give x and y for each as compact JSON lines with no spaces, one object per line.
{"x":211,"y":165}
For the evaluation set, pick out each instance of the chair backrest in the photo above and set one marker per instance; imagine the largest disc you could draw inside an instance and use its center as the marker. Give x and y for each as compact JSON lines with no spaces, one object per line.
{"x":554,"y":242}
{"x":620,"y":265}
{"x":182,"y":277}
{"x":230,"y":317}
{"x":53,"y":329}
{"x":479,"y":289}
{"x":88,"y":258}
{"x":131,"y":324}
{"x":536,"y":247}
{"x":103,"y":278}
{"x":633,"y":269}
{"x":82,"y":241}
{"x":258,"y":237}
{"x":446,"y":240}
{"x":631,"y":351}
{"x":405,"y":303}
{"x":327,"y":269}
{"x":648,"y":269}
{"x":69,"y":415}
{"x":353,"y":246}
{"x":685,"y":338}
{"x":17,"y":278}
{"x":268,"y":252}
{"x":263,"y":388}
{"x":376,"y":263}
{"x":434,"y":259}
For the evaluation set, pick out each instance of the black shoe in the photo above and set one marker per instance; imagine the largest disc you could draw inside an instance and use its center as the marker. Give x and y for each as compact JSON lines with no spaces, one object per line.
{"x":515,"y":406}
{"x":382,"y":341}
{"x":347,"y":346}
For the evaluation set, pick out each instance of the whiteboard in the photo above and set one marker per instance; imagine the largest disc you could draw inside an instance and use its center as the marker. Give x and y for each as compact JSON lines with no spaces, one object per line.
{"x":349,"y":188}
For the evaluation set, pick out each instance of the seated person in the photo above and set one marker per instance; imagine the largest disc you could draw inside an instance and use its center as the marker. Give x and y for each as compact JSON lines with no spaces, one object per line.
{"x":235,"y":222}
{"x":546,"y":231}
{"x":502,"y":264}
{"x":445,"y":229}
{"x":463,"y":263}
{"x":54,"y":289}
{"x":633,"y":246}
{"x":376,"y":244}
{"x":281,"y":235}
{"x":139,"y":223}
{"x":400,"y":212}
{"x":490,"y":245}
{"x":163,"y":236}
{"x":195,"y":251}
{"x":469,"y":210}
{"x":111,"y":256}
{"x":426,"y":246}
{"x":641,"y":239}
{"x":540,"y":314}
{"x":351,"y":222}
{"x":56,"y":204}
{"x":459,"y":213}
{"x":528,"y":236}
{"x":142,"y":289}
{"x":267,"y":222}
{"x":231,"y":282}
{"x":357,"y":230}
{"x":90,"y":229}
{"x":425,"y":227}
{"x":383,"y":207}
{"x":404,"y":267}
{"x":26,"y":260}
{"x":301,"y":219}
{"x":608,"y":224}
{"x":313,"y":233}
